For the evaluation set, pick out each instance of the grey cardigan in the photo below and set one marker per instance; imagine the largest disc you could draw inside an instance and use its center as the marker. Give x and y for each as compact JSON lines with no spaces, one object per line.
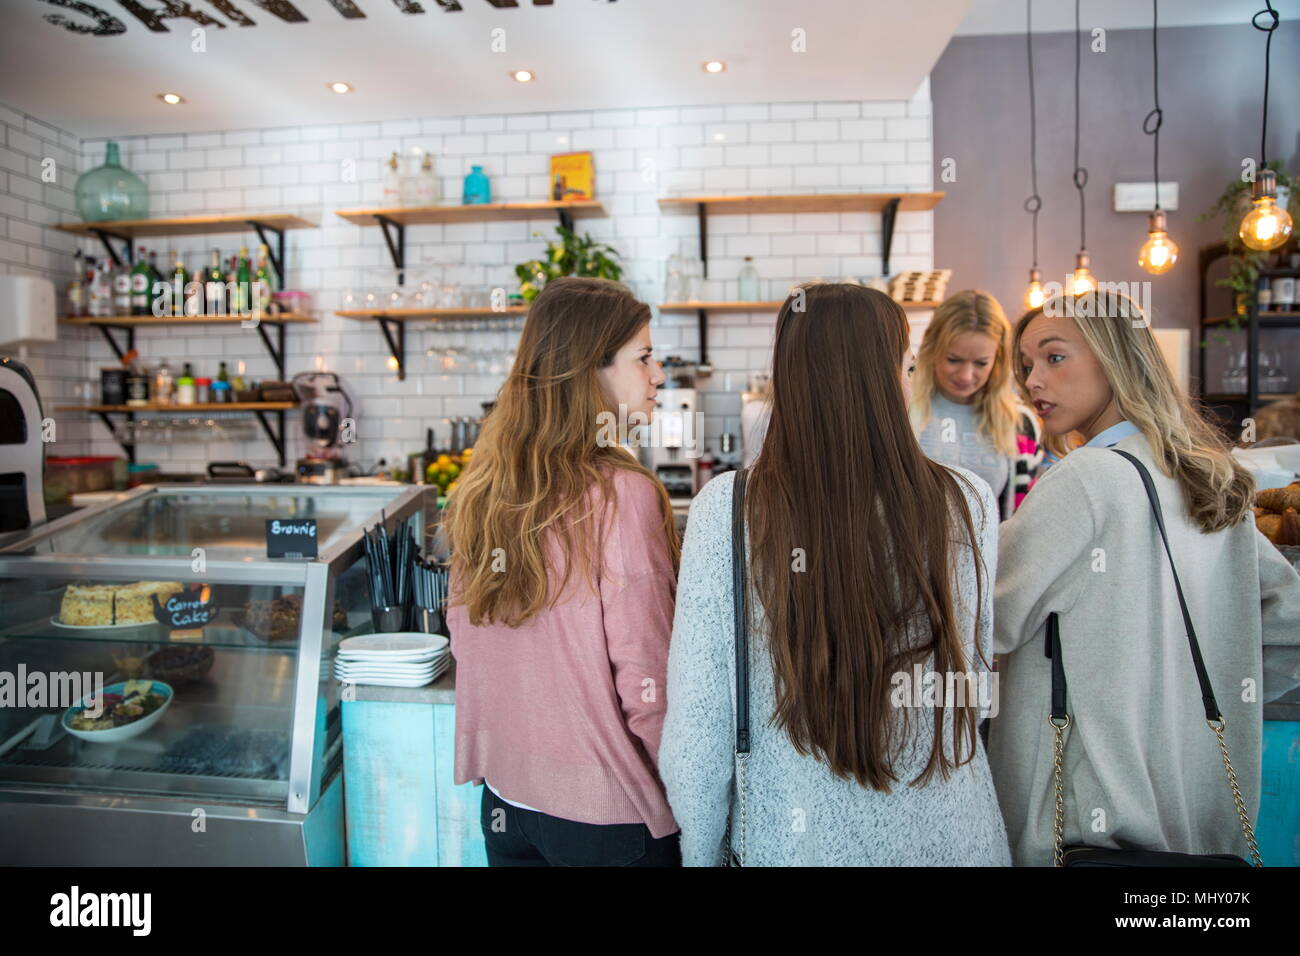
{"x":798,"y":813}
{"x":1142,"y":769}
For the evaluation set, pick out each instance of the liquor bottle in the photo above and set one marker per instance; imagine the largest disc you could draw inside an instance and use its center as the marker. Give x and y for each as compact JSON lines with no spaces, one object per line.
{"x":76,"y":288}
{"x":392,"y":183}
{"x":121,"y":290}
{"x":426,"y":186}
{"x":222,"y":374}
{"x":214,"y":286}
{"x":243,"y":281}
{"x":262,"y":286}
{"x":194,"y":293}
{"x":140,"y":285}
{"x":264,"y":255}
{"x":178,"y":287}
{"x":163,"y":384}
{"x":100,"y":294}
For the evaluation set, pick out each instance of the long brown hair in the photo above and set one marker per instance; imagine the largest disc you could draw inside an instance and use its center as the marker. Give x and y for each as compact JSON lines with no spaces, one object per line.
{"x":1217,"y":492}
{"x":975,"y":311}
{"x":842,"y":482}
{"x":538,"y":458}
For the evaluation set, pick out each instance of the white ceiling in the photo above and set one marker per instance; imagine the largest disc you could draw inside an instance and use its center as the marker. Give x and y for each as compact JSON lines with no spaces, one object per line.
{"x":586,"y":54}
{"x":1056,"y":16}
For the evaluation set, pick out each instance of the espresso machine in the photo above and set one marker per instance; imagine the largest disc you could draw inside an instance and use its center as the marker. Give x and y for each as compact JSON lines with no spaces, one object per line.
{"x":676,"y":441}
{"x":325,"y":407}
{"x":22,"y":453}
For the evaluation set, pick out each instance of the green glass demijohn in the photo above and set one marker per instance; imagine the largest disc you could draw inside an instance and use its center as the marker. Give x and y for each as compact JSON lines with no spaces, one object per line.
{"x":110,"y":192}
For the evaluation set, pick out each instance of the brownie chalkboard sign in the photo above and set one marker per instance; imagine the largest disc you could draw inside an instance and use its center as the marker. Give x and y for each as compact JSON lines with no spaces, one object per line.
{"x":291,"y":538}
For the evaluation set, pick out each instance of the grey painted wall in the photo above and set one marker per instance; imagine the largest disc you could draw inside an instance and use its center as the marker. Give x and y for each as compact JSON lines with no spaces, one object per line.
{"x":1211,"y":82}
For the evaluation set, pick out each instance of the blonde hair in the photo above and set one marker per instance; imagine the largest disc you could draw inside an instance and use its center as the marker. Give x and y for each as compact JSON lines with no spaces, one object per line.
{"x":1217,"y":492}
{"x":996,"y":409}
{"x":538,"y":459}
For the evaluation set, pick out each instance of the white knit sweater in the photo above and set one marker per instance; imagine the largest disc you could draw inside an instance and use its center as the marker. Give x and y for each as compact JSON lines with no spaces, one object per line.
{"x":1142,"y":769}
{"x":798,"y":813}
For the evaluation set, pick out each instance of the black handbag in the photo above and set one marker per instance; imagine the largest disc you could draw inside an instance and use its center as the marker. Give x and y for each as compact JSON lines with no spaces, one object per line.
{"x":1080,"y":855}
{"x":740,"y":615}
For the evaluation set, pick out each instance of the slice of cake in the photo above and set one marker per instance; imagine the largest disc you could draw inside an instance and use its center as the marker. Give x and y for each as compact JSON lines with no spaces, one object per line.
{"x":87,"y":605}
{"x":135,"y":604}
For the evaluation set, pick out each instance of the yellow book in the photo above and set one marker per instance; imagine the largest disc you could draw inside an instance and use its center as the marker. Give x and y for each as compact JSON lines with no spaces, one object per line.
{"x":573,"y":176}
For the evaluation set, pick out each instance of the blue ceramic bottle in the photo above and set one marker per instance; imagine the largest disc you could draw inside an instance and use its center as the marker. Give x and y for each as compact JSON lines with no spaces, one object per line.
{"x":477,"y":188}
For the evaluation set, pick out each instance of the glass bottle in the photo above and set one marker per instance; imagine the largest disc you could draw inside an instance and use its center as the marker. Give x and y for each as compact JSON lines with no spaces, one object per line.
{"x":392,"y":183}
{"x":426,"y":186}
{"x":749,"y":281}
{"x":110,"y":192}
{"x":162,"y":384}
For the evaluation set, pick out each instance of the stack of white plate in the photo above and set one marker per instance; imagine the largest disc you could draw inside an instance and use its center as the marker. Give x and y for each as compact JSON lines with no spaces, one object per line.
{"x":392,"y":660}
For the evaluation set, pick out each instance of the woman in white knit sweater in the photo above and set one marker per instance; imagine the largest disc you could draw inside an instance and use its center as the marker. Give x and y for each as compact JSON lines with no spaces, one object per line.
{"x":1141,"y":770}
{"x":866,"y":579}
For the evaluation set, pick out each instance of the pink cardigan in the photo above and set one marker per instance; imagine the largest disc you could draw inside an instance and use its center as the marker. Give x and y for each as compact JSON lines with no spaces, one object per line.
{"x":564,"y":713}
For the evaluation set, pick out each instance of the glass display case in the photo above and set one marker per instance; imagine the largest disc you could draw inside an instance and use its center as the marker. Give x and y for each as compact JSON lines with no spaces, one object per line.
{"x":207,"y":668}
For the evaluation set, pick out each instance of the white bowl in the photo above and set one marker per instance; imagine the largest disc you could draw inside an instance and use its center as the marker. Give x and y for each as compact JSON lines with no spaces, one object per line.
{"x":114,"y":735}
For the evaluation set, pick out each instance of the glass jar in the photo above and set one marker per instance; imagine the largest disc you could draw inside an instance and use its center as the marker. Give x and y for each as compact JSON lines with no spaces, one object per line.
{"x":186,"y":391}
{"x":110,"y":192}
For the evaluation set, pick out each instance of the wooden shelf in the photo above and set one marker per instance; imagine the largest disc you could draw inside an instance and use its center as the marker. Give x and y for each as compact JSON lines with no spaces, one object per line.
{"x":424,"y":215}
{"x":756,"y":306}
{"x":136,"y":320}
{"x":188,"y":225}
{"x":809,"y":202}
{"x":407,"y":315}
{"x":1239,"y":398}
{"x":1267,"y":320}
{"x":206,"y":407}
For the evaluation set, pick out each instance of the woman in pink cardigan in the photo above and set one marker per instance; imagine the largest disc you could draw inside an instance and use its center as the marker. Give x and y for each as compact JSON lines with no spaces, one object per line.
{"x":563,"y":575}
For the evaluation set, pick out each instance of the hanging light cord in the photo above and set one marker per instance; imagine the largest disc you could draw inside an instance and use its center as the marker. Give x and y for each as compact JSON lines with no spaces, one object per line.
{"x":1035,"y":202}
{"x":1268,"y":46}
{"x":1080,"y":174}
{"x":1156,"y":118}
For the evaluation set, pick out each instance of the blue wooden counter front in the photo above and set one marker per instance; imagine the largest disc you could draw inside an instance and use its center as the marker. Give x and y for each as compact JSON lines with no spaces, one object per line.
{"x":401,"y":805}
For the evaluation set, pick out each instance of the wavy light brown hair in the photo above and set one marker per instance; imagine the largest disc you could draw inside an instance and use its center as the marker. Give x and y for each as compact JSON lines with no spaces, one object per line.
{"x":970,"y":310}
{"x":1217,"y":492}
{"x":842,"y":477}
{"x":537,"y":461}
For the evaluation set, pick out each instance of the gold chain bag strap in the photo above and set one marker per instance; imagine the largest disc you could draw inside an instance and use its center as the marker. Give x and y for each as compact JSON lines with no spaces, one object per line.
{"x":1059,"y":719}
{"x":736,"y":819}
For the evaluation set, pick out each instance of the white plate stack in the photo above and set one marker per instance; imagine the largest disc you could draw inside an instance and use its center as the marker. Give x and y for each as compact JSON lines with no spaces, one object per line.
{"x":392,"y":660}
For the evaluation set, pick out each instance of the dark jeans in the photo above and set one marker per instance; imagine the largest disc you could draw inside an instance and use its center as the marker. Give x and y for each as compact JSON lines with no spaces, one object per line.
{"x":517,"y":837}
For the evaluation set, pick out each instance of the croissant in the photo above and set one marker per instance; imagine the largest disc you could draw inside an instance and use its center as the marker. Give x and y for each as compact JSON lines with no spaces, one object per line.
{"x":1272,"y":499}
{"x":1270,"y":525}
{"x":1289,"y":533}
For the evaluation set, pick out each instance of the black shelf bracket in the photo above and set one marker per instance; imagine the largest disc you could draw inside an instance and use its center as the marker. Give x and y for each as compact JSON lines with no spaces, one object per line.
{"x":566,"y":218}
{"x":887,"y":217}
{"x":105,"y":235}
{"x":395,"y":237}
{"x":112,"y":342}
{"x":396,"y":342}
{"x":128,"y":447}
{"x":275,"y":348}
{"x":275,"y":249}
{"x":276,"y":438}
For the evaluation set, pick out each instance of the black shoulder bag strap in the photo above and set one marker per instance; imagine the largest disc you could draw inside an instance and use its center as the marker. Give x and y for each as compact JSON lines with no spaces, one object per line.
{"x":734,"y":840}
{"x":1060,"y":719}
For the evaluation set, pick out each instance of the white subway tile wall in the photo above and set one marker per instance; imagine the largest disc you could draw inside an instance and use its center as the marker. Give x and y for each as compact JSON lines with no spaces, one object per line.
{"x":640,"y":155}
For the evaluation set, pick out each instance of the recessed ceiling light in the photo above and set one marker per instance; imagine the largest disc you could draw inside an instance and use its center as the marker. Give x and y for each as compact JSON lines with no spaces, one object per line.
{"x":171,"y":99}
{"x":715,"y":66}
{"x":338,"y":86}
{"x":524,"y":76}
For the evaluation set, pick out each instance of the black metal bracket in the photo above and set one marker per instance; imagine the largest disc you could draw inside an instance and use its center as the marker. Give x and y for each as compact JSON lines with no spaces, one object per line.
{"x":107,"y":234}
{"x":275,"y":249}
{"x":396,"y":240}
{"x":112,"y":342}
{"x":276,"y":350}
{"x":566,"y":218}
{"x":887,"y":216}
{"x":128,"y":447}
{"x":704,"y":368}
{"x":396,"y":344}
{"x":276,"y":440}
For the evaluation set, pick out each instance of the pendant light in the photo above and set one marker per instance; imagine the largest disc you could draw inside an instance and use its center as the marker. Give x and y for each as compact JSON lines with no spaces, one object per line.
{"x":1267,"y":225}
{"x":1083,"y":281}
{"x":1159,"y":253}
{"x":1034,"y":295}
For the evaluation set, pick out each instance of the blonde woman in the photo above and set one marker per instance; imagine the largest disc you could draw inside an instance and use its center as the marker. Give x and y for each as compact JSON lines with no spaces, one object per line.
{"x":563,"y":575}
{"x":1139,"y":767}
{"x":963,"y":408}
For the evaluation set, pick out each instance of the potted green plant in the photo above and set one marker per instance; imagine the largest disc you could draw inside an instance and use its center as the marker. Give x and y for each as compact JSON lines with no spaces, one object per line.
{"x":572,"y":255}
{"x":1244,"y":263}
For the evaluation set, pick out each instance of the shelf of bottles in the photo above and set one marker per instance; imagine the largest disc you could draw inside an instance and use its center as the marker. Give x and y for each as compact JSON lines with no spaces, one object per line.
{"x":757,"y":306}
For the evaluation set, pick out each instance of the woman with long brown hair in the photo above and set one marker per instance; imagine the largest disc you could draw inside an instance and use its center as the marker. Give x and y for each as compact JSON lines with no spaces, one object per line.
{"x":871,"y":569}
{"x":563,"y":570}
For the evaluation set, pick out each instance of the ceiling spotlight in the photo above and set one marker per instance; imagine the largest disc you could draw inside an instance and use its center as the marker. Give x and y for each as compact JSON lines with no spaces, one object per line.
{"x":171,"y":99}
{"x":715,"y":66}
{"x":524,"y":76}
{"x":338,"y":86}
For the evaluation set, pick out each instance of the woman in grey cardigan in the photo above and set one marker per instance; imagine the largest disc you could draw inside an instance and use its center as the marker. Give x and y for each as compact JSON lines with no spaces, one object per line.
{"x":1140,"y":768}
{"x":866,"y":581}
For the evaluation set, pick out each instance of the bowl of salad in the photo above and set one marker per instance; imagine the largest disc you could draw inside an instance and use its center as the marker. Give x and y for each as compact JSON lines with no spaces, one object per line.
{"x":129,"y":708}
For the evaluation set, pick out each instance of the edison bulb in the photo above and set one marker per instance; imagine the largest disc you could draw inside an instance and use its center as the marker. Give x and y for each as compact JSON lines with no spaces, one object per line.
{"x":1034,"y":295}
{"x":1266,"y":226}
{"x":1159,"y":252}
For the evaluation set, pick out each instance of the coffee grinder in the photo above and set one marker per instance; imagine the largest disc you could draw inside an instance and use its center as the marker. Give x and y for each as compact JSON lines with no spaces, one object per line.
{"x":325,"y":405}
{"x":674,"y":445}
